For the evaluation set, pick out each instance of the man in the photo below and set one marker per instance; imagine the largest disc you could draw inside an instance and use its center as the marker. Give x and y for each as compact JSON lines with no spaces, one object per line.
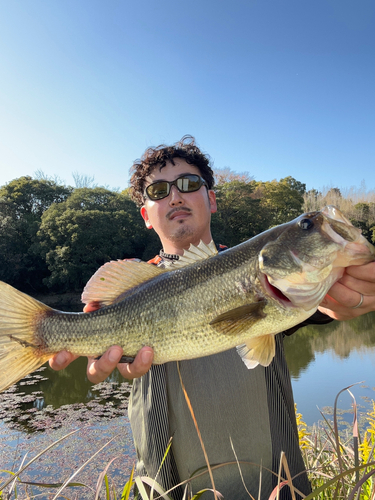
{"x":244,"y":415}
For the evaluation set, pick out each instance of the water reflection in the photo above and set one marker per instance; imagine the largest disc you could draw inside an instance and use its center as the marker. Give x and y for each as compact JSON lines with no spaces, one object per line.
{"x":342,"y":338}
{"x":323,"y":360}
{"x":52,"y":399}
{"x":71,"y":385}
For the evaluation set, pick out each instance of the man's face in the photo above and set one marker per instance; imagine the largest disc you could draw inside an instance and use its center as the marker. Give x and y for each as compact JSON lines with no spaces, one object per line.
{"x":180,"y":218}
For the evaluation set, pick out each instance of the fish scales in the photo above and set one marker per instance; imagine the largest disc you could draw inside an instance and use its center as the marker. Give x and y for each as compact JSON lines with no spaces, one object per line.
{"x":139,"y":320}
{"x":205,"y":303}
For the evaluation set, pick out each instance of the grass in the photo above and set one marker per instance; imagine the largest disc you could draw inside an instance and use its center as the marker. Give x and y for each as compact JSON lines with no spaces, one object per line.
{"x":340,"y":464}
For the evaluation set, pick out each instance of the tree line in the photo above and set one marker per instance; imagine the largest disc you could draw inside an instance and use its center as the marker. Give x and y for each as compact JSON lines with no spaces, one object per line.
{"x":54,"y":237}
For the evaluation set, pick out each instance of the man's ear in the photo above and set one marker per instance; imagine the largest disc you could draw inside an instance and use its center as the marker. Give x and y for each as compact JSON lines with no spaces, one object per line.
{"x":212,"y":199}
{"x":145,"y":217}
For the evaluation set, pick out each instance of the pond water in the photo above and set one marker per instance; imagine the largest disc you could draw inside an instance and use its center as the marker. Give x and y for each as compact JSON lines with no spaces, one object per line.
{"x":324,"y":360}
{"x":47,"y":405}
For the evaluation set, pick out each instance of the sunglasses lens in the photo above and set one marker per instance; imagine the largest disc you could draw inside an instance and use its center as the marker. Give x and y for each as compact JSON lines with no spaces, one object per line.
{"x":185,"y":184}
{"x":158,"y":190}
{"x":188,"y":183}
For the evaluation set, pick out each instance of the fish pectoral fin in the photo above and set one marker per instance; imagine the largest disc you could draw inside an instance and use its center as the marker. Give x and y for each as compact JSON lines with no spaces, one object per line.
{"x":116,"y":278}
{"x":258,"y":350}
{"x":195,"y":254}
{"x":240,"y":319}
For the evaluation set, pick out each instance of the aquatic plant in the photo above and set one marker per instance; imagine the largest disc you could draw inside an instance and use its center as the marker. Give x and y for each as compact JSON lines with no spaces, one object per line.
{"x":341,"y":465}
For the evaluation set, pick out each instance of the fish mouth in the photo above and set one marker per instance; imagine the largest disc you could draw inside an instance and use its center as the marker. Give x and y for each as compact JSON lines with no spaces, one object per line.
{"x":306,"y":296}
{"x":274,"y":292}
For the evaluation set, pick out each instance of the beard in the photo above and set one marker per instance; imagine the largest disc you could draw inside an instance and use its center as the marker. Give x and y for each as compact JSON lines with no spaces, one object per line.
{"x":181,"y":233}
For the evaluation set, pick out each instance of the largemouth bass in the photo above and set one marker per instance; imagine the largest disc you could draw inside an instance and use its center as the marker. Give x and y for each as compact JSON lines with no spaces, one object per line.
{"x":208,"y":303}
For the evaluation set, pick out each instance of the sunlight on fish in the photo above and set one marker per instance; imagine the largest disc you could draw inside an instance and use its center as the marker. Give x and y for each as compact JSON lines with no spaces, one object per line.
{"x":205,"y":304}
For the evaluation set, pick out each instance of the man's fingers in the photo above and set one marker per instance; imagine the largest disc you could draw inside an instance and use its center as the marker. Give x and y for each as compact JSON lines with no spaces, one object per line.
{"x":99,"y":369}
{"x":348,"y":298}
{"x":363,"y":273}
{"x":342,"y":297}
{"x":61,"y":360}
{"x":141,"y":364}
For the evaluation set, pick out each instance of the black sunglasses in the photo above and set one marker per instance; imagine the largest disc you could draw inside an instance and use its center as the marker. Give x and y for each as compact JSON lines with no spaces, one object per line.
{"x":185,"y":184}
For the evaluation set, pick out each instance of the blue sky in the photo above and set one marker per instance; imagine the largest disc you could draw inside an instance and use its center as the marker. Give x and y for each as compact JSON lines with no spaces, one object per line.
{"x":273,"y":88}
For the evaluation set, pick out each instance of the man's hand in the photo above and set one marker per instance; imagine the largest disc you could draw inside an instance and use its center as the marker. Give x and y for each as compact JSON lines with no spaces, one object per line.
{"x":346,"y":293}
{"x":99,"y":369}
{"x":61,"y":360}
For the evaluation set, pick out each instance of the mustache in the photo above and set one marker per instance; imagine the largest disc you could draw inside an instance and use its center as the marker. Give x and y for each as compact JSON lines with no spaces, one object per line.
{"x":177,"y":209}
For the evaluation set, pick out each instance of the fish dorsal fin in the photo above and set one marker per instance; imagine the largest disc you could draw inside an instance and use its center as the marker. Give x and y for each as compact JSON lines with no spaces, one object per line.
{"x":115,"y":279}
{"x":240,"y":319}
{"x":196,"y":253}
{"x":257,"y":351}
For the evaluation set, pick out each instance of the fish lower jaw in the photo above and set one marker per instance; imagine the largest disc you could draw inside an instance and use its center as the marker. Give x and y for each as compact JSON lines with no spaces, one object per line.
{"x":275,"y":293}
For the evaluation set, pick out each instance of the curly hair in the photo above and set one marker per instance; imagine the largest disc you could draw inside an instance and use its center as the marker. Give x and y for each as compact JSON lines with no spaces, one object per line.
{"x":186,"y":149}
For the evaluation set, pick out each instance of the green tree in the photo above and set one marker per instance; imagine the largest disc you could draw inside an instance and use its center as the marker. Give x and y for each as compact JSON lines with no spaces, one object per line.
{"x":239,"y":216}
{"x":31,"y":198}
{"x":298,"y":186}
{"x":90,"y":228}
{"x":22,"y":203}
{"x":282,"y":201}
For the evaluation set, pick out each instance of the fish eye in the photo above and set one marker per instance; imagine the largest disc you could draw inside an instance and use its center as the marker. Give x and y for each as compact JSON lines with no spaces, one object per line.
{"x":306,"y":224}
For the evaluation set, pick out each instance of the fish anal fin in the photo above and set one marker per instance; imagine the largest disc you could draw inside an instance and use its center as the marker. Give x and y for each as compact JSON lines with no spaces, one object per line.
{"x":113,"y":281}
{"x":235,"y":321}
{"x":258,"y":351}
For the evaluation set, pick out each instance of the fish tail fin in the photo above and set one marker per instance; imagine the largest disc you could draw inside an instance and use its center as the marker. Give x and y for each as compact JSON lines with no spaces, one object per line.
{"x":20,"y":351}
{"x":258,"y":350}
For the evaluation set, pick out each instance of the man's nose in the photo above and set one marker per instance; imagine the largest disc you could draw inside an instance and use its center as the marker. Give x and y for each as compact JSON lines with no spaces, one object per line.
{"x":175,"y":197}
